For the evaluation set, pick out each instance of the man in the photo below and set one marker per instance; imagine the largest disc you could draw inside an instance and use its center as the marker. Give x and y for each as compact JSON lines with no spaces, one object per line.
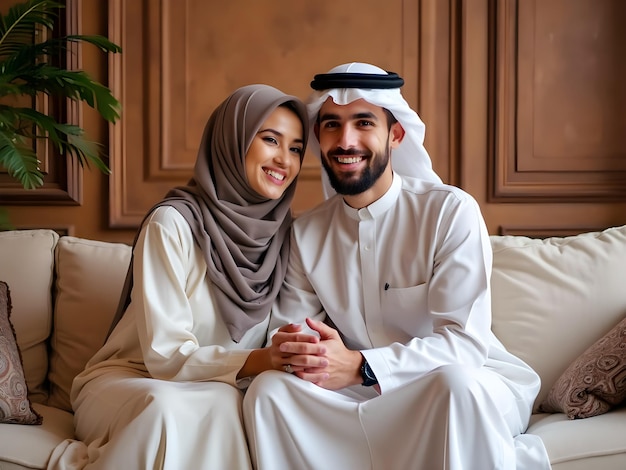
{"x":393,"y":275}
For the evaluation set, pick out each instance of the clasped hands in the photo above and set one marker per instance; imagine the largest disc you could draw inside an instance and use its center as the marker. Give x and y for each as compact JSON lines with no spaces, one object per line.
{"x":324,"y":360}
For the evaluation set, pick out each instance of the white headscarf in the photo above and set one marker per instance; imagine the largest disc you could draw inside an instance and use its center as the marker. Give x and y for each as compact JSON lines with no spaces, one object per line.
{"x":410,"y":158}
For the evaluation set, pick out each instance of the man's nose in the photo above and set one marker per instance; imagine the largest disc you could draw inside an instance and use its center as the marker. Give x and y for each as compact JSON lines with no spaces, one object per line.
{"x":347,"y":137}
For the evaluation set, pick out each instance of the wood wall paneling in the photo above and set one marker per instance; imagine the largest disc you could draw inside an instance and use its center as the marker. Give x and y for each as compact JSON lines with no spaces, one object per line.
{"x":439,"y":84}
{"x":546,"y":231}
{"x":560,"y":83}
{"x":517,"y":99}
{"x":522,"y":100}
{"x":62,"y":176}
{"x":181,"y":59}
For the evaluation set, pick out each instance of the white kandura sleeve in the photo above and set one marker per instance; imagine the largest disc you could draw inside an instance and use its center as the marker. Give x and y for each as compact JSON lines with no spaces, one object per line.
{"x":174,"y":307}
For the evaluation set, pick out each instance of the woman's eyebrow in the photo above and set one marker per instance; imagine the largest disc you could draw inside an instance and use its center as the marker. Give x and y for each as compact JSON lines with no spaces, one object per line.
{"x":277,"y":133}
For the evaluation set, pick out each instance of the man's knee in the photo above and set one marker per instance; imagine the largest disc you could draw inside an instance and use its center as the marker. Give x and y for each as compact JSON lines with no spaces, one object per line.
{"x":262,"y":385}
{"x":456,"y":381}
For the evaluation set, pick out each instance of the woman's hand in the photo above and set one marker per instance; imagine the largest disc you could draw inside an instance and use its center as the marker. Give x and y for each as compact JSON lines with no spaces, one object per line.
{"x":291,"y":347}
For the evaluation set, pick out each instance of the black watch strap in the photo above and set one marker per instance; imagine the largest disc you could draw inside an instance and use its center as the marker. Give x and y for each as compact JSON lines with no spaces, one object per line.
{"x":367,"y":374}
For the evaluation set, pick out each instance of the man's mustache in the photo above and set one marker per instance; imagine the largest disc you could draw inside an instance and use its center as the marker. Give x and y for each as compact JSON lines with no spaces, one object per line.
{"x":341,"y":152}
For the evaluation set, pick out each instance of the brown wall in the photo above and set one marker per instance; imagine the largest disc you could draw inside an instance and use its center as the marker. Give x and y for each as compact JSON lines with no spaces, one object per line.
{"x":89,"y":219}
{"x":523,"y":99}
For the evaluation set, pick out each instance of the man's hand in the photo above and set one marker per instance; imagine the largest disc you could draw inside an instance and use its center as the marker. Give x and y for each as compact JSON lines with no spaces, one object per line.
{"x":290,"y":346}
{"x":343,"y":367}
{"x":274,"y":357}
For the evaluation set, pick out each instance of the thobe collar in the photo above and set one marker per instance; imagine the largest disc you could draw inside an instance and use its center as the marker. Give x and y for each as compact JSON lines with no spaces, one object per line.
{"x":378,"y":207}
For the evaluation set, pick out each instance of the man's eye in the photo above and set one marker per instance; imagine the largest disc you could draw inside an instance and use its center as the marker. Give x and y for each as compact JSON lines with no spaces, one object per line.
{"x":366,"y":123}
{"x":330,"y":124}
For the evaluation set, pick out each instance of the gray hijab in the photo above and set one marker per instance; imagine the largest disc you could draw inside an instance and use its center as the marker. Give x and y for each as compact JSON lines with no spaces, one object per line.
{"x":244,"y":236}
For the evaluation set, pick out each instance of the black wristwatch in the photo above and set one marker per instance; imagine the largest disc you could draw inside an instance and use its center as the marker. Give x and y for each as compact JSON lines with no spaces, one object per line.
{"x":367,"y":374}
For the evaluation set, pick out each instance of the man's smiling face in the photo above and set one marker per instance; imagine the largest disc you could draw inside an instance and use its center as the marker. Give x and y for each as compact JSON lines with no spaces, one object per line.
{"x":355,"y":143}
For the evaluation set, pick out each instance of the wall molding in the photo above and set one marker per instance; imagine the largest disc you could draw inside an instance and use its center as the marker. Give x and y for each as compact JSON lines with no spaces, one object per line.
{"x":63,"y":177}
{"x":541,"y":146}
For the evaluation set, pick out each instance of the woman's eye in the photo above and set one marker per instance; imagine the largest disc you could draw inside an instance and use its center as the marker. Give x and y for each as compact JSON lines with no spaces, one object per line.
{"x":270,"y":139}
{"x":297,"y":150}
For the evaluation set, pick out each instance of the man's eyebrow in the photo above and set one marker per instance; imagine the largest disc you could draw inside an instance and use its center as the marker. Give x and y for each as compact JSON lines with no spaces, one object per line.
{"x":328,"y":117}
{"x":336,"y":117}
{"x":365,"y":115}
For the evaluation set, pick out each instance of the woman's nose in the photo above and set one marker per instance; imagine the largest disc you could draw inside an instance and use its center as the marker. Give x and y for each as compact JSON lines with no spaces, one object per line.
{"x":283,"y":156}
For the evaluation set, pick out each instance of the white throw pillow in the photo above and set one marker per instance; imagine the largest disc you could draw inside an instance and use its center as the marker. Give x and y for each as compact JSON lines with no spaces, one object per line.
{"x":554,"y":297}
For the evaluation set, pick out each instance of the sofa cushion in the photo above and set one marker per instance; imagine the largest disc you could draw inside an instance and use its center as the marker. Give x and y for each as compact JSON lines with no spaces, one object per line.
{"x":553,"y":298}
{"x":583,"y":444}
{"x":15,"y":406}
{"x":29,"y":447}
{"x":27,"y":267}
{"x":595,"y":382}
{"x":90,"y":275}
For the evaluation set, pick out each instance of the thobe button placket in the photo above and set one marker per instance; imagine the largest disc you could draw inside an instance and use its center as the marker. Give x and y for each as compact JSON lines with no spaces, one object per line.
{"x":369,"y":275}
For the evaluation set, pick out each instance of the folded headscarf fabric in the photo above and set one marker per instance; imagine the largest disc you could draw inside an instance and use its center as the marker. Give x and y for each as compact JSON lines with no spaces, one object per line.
{"x":244,"y":236}
{"x":410,"y":158}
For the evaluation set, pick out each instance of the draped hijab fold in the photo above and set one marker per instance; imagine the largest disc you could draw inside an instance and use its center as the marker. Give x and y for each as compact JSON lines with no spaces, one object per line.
{"x":244,"y":236}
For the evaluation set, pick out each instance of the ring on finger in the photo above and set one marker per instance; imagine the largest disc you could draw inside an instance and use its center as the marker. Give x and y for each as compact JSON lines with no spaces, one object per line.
{"x":288,"y":369}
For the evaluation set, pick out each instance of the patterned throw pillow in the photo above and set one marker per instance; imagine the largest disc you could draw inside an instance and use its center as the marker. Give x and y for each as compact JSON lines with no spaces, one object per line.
{"x":15,"y":407}
{"x":595,"y":382}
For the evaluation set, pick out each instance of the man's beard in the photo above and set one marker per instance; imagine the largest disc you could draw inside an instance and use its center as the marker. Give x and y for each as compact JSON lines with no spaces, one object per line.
{"x":351,"y":186}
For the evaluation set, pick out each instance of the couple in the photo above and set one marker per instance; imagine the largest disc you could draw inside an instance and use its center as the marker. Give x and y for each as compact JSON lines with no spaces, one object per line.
{"x":375,"y":306}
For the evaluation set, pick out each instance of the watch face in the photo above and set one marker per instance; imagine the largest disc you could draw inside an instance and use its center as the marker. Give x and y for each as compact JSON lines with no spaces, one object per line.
{"x":367,"y":374}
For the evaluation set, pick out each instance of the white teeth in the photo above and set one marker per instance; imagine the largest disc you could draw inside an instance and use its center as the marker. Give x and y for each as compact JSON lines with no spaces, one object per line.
{"x":275,"y":174}
{"x":349,"y":159}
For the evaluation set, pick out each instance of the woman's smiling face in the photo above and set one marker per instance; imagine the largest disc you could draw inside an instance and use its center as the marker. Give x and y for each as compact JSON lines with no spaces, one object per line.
{"x":275,"y":154}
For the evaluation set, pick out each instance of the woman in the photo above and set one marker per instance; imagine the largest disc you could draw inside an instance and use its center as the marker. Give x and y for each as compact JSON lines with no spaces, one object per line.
{"x":165,"y":390}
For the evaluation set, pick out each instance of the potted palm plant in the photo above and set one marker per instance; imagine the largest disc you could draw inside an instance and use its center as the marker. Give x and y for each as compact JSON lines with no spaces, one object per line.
{"x":29,"y":68}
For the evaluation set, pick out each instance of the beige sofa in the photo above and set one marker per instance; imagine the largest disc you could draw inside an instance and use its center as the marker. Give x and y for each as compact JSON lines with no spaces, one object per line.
{"x":551,"y":300}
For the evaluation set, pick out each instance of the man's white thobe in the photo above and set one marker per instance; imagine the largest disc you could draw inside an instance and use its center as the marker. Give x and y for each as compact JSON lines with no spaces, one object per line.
{"x":406,"y":281}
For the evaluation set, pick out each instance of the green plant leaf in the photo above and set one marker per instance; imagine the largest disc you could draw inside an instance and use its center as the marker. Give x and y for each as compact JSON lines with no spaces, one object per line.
{"x":73,"y":84}
{"x":27,"y":124}
{"x":18,"y":24}
{"x":19,"y":160}
{"x":100,"y":42}
{"x":27,"y":69}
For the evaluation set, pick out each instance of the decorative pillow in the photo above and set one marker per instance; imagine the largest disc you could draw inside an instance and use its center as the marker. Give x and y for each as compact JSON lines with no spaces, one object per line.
{"x":595,"y":382}
{"x":15,"y":407}
{"x":552,"y":298}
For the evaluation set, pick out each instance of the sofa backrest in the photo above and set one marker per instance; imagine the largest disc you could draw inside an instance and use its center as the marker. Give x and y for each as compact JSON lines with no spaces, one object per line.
{"x":553,"y":298}
{"x":89,"y":279}
{"x":82,"y":279}
{"x":27,"y":266}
